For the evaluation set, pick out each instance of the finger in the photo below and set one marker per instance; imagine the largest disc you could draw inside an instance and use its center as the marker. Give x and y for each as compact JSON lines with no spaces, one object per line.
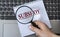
{"x":41,"y":25}
{"x":36,"y":30}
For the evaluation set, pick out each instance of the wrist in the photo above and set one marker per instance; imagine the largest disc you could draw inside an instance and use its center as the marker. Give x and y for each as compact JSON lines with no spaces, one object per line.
{"x":54,"y":35}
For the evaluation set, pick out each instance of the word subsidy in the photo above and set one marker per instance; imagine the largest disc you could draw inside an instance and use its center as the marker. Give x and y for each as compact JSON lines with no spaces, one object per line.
{"x":27,"y":14}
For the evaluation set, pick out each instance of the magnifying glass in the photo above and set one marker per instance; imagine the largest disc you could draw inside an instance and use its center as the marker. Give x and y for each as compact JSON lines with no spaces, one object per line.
{"x":25,"y":15}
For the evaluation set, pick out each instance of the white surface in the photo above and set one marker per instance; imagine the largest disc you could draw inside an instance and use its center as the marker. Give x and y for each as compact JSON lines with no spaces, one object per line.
{"x":1,"y":28}
{"x":12,"y":24}
{"x":9,"y":28}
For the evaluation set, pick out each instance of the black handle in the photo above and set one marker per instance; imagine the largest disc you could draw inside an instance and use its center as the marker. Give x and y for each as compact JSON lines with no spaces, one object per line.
{"x":35,"y":25}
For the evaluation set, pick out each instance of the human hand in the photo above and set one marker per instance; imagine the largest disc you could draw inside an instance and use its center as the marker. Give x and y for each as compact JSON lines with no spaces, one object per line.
{"x":44,"y":31}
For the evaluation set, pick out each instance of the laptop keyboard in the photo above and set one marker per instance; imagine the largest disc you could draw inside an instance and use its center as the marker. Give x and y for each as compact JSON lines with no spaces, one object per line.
{"x":7,"y":13}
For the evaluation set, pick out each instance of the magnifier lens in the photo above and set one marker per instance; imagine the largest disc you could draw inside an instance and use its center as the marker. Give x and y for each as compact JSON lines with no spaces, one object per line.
{"x":24,"y":15}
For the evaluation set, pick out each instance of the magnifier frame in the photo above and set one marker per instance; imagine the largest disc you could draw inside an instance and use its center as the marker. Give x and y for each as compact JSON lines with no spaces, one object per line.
{"x":26,"y":7}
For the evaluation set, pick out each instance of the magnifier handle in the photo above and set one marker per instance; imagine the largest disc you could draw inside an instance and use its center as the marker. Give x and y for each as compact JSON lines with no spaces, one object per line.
{"x":34,"y":24}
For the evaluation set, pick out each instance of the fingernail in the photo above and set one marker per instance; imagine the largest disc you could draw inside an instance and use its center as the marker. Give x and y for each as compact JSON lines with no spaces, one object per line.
{"x":30,"y":27}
